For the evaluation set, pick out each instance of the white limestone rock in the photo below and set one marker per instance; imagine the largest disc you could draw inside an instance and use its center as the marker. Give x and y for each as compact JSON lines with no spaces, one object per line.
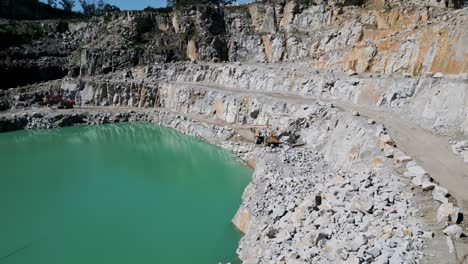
{"x":420,"y":179}
{"x":414,"y":171}
{"x":440,"y":194}
{"x":454,"y":231}
{"x":361,"y":204}
{"x":427,"y":185}
{"x":438,"y":75}
{"x":447,"y":213}
{"x":428,"y":234}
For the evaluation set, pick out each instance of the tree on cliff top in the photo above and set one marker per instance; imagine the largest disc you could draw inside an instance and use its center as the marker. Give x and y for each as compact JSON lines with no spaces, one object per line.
{"x":67,"y":5}
{"x":197,"y":2}
{"x":32,"y":9}
{"x":88,"y":7}
{"x":91,"y":9}
{"x":52,"y":3}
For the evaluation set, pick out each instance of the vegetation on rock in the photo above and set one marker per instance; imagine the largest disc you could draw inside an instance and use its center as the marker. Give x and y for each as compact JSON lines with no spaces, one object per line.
{"x":91,"y":9}
{"x":32,"y":9}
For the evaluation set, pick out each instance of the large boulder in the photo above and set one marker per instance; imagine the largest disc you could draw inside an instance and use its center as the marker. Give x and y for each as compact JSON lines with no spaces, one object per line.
{"x":414,"y":171}
{"x":400,"y":162}
{"x":385,"y":140}
{"x":362,"y":204}
{"x":453,"y":231}
{"x":440,"y":194}
{"x":447,"y":213}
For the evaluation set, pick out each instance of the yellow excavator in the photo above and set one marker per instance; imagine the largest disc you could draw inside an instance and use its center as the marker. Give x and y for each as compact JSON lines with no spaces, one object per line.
{"x":264,"y":136}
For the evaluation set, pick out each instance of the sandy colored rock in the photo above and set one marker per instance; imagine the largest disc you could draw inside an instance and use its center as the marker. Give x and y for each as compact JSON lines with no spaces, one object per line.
{"x":192,"y":50}
{"x":447,"y":213}
{"x":241,"y":219}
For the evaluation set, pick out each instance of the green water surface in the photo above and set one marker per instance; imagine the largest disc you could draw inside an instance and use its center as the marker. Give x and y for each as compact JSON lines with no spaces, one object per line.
{"x":120,"y":193}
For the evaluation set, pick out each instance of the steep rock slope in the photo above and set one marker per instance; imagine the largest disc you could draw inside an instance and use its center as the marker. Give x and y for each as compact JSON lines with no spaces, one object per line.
{"x":322,"y":71}
{"x":385,"y":37}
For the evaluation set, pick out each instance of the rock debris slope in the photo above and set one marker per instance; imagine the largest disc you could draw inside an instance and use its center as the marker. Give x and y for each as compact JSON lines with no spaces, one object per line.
{"x":375,"y":90}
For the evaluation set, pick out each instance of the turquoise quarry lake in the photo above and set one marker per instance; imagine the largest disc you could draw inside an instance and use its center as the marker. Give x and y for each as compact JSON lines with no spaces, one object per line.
{"x":120,"y":193}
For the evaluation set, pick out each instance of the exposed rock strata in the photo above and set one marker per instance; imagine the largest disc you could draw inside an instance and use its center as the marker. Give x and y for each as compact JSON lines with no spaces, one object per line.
{"x":241,"y":95}
{"x":438,"y":104}
{"x":339,"y":148}
{"x":411,"y":37}
{"x":329,"y":72}
{"x":335,"y":200}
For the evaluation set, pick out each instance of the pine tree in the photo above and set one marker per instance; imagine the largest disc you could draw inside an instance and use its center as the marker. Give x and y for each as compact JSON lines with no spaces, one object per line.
{"x":52,"y":3}
{"x":100,"y":7}
{"x":89,"y":8}
{"x":67,"y":5}
{"x":110,"y":9}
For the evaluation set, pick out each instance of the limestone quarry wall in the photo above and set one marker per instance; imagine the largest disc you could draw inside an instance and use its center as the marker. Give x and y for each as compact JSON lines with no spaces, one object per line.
{"x":250,"y":94}
{"x":411,"y":37}
{"x":303,"y":69}
{"x":390,"y":38}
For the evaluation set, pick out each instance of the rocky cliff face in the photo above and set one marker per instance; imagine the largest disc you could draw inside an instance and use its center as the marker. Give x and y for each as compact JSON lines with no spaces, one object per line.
{"x":383,"y":37}
{"x":322,"y":72}
{"x":233,"y":93}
